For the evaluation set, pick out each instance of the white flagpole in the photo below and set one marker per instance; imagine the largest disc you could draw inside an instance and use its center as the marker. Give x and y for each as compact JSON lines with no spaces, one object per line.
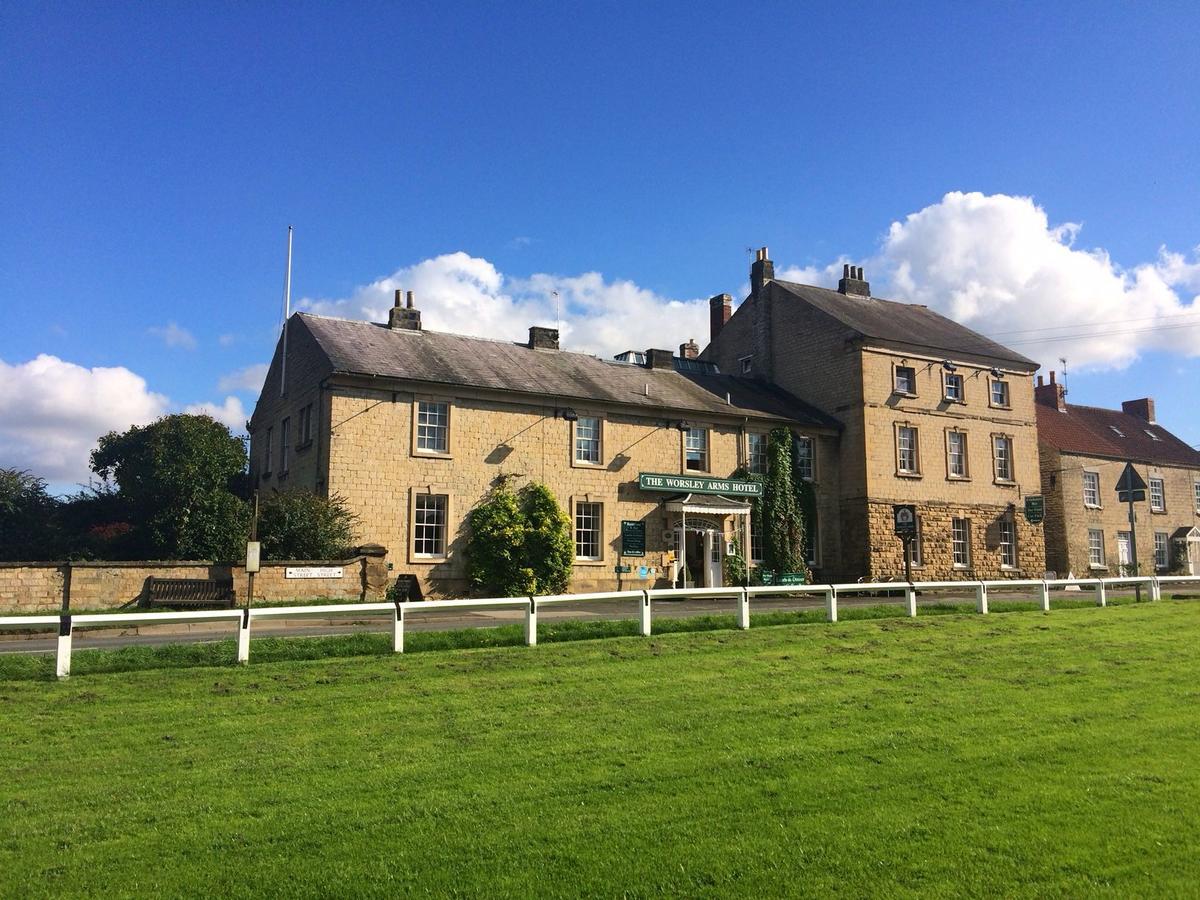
{"x":287,"y":312}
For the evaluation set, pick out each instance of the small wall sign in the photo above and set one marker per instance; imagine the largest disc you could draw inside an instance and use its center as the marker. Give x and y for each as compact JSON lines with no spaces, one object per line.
{"x":633,"y":538}
{"x":904,"y":517}
{"x":312,"y":572}
{"x":1035,"y":509}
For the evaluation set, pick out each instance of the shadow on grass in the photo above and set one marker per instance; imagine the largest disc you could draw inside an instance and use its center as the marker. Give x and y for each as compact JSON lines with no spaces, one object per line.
{"x":21,"y":667}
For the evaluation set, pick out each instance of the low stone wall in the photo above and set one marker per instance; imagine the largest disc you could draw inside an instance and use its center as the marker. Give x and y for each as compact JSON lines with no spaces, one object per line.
{"x":49,"y":586}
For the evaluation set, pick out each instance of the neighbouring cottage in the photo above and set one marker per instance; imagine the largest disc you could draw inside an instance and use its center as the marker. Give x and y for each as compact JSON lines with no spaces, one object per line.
{"x":933,"y":414}
{"x":414,"y":428}
{"x":1084,"y":450}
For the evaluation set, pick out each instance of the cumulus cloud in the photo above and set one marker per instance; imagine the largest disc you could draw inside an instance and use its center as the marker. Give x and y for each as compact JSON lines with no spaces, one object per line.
{"x":52,"y":412}
{"x":173,"y":335}
{"x":464,"y":294}
{"x":230,"y":413}
{"x":997,"y":264}
{"x":249,"y":379}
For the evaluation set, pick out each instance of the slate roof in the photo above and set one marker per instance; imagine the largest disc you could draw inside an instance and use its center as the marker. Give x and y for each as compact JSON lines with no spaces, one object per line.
{"x":1088,"y":430}
{"x":367,"y":348}
{"x":905,"y":323}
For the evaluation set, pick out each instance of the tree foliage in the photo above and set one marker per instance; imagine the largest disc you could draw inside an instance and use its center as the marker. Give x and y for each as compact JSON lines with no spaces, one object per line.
{"x":520,"y":544}
{"x":303,"y":525}
{"x":178,"y":478}
{"x":785,"y":511}
{"x":27,"y":517}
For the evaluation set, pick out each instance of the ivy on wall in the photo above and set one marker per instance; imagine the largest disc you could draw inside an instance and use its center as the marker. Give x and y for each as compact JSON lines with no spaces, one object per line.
{"x":785,"y":510}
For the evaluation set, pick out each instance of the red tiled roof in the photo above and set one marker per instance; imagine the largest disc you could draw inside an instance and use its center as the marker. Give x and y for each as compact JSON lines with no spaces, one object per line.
{"x":1089,"y":430}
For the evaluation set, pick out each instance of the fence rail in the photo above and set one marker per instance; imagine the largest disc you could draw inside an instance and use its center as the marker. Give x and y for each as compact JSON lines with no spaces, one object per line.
{"x":641,"y":599}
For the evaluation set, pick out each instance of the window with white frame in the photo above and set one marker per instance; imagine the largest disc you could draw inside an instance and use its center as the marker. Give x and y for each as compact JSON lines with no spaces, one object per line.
{"x":805,"y":454}
{"x":960,"y":542}
{"x":908,"y":461}
{"x":918,"y":553}
{"x":696,"y":454}
{"x":429,"y":525}
{"x":267,"y":455}
{"x":756,"y":453}
{"x":1096,"y":548}
{"x":587,"y":440}
{"x":756,"y":539}
{"x":433,"y":426}
{"x":1008,"y":543}
{"x":285,"y":428}
{"x":952,"y":387}
{"x":1158,"y":496}
{"x":1002,"y":456}
{"x":747,"y":364}
{"x":1162,"y":556}
{"x":1091,"y":489}
{"x":811,"y":542}
{"x":1196,"y":491}
{"x":999,"y":393}
{"x":906,"y":380}
{"x":956,"y":454}
{"x":589,"y":520}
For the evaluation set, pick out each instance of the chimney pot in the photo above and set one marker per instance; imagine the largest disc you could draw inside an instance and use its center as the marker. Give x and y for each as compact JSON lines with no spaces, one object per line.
{"x":399,"y":297}
{"x":410,"y":300}
{"x":761,"y":272}
{"x":1052,"y":394}
{"x":1052,"y":381}
{"x":852,"y":281}
{"x":404,"y":318}
{"x":690,"y":350}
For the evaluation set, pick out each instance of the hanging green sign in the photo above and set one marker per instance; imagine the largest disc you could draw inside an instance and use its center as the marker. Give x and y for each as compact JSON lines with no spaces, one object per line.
{"x":1035,"y":509}
{"x":698,"y":484}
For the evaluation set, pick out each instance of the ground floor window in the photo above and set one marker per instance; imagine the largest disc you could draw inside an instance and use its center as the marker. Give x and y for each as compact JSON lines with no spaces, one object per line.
{"x":1095,"y":547}
{"x":1162,"y":557}
{"x":1008,"y":543}
{"x":756,"y":539}
{"x":960,"y":542}
{"x":429,"y":525}
{"x":810,"y":542}
{"x":589,"y":519}
{"x":918,"y":556}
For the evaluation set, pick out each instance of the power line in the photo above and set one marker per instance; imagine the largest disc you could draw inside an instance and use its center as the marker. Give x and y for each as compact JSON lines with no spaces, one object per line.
{"x":1091,"y":334}
{"x":1099,"y":324}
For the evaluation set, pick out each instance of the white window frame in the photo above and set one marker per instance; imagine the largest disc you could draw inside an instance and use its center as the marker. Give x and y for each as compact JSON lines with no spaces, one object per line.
{"x":960,"y":542}
{"x":1158,"y":499}
{"x":911,"y":391}
{"x":585,"y":441}
{"x":1005,"y":441}
{"x":746,"y":364}
{"x":949,"y":378}
{"x":914,"y":451}
{"x":445,"y":428}
{"x":1196,"y":492}
{"x":1008,"y":543}
{"x":426,"y":535}
{"x":965,"y":474}
{"x":813,"y":557}
{"x":1005,"y":402}
{"x":1096,"y":557}
{"x":756,"y":540}
{"x":918,"y":548}
{"x":1091,"y":478}
{"x":1162,"y":561}
{"x":753,"y":437}
{"x":806,"y":463}
{"x":701,"y":447}
{"x":593,"y":510}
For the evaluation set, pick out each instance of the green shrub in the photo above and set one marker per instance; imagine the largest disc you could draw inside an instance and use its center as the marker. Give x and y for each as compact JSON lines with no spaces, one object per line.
{"x":303,"y":525}
{"x":519,"y":544}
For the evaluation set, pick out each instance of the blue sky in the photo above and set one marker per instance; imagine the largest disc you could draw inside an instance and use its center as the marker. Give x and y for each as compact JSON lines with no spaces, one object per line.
{"x":626,"y":155}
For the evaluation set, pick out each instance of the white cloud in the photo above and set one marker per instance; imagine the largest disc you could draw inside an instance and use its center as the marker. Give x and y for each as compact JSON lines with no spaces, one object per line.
{"x":52,"y":412}
{"x":996,"y":264}
{"x":249,"y":379}
{"x":173,"y":335}
{"x":464,"y":294}
{"x":230,"y":413}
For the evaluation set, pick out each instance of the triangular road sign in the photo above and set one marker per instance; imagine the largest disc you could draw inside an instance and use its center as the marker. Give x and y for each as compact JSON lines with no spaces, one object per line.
{"x":1130,"y":480}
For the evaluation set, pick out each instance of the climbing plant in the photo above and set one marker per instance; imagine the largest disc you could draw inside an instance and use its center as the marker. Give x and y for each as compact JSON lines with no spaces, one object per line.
{"x":520,"y":543}
{"x":784,"y":511}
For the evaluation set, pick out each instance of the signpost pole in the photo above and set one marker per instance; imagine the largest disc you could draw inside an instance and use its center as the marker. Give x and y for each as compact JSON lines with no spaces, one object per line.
{"x":1137,"y":588}
{"x":908,"y":558}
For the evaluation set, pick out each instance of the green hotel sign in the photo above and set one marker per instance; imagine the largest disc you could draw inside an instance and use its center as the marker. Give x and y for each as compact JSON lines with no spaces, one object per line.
{"x":696,"y":484}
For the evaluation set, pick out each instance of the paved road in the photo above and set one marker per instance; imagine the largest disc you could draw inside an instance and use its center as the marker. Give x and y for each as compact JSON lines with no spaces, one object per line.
{"x":158,"y":635}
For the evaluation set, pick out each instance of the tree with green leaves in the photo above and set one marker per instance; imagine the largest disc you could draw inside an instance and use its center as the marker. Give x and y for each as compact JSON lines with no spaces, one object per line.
{"x":28,"y":526}
{"x":179,"y":477}
{"x":303,"y":525}
{"x":519,"y":544}
{"x":783,"y":527}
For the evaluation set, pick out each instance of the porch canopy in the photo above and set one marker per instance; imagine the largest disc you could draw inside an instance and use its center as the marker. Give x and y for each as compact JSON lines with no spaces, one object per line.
{"x":706,"y":505}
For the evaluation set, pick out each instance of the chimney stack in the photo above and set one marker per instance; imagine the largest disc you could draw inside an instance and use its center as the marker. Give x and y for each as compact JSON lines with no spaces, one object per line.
{"x":690,"y":350}
{"x":853,"y":283}
{"x":1052,"y":394}
{"x":404,"y":317}
{"x":720,"y":308}
{"x":762,"y":271}
{"x":543,"y":338}
{"x":1143,"y":409}
{"x":660,"y":359}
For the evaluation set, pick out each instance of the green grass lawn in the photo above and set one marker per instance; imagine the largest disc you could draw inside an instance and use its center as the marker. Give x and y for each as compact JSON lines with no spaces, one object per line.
{"x":953,"y":754}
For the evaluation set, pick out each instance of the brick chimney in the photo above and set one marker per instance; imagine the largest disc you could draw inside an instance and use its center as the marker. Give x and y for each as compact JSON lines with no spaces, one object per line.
{"x":1052,"y":394}
{"x":1143,"y":409}
{"x":404,"y":317}
{"x":720,"y":308}
{"x":690,"y":350}
{"x":852,"y":282}
{"x":762,"y":271}
{"x":660,"y":359}
{"x":543,"y":338}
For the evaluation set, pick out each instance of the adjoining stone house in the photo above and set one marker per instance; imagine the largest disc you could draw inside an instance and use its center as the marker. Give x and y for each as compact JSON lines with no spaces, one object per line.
{"x":414,"y":428}
{"x":933,"y":413}
{"x":1084,"y":450}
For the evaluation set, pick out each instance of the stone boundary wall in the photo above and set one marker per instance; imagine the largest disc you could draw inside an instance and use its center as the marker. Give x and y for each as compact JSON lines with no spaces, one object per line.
{"x":36,"y":587}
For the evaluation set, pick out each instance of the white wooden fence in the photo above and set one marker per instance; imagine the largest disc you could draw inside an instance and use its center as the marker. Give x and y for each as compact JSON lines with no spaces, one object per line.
{"x":640,"y":600}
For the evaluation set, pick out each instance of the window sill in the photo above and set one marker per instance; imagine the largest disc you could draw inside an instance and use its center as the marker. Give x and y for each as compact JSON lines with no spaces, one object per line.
{"x":909,"y":475}
{"x":906,"y":394}
{"x":1097,"y":568}
{"x":1092,"y":506}
{"x":426,"y":560}
{"x":300,"y":448}
{"x":430,"y":454}
{"x":589,"y":562}
{"x":580,"y":464}
{"x":1004,"y":482}
{"x":955,"y":402}
{"x":958,"y":477}
{"x":998,"y":406}
{"x":1158,"y":512}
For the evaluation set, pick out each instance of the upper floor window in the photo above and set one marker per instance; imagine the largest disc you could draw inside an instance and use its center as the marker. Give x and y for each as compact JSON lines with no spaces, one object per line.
{"x":306,"y":433}
{"x":587,"y":440}
{"x":747,"y":364}
{"x":906,"y":380}
{"x":756,"y":453}
{"x":1158,"y":496}
{"x":908,"y":461}
{"x":805,"y":458}
{"x":1196,"y":491}
{"x":1091,"y":489}
{"x":285,"y":428}
{"x":433,"y":426}
{"x":952,"y":387}
{"x":956,"y":454}
{"x":1000,"y":393}
{"x":1002,"y":456}
{"x":696,"y":447}
{"x":267,"y":455}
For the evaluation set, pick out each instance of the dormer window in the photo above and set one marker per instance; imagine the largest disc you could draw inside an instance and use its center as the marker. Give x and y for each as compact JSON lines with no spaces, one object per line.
{"x":1117,"y":431}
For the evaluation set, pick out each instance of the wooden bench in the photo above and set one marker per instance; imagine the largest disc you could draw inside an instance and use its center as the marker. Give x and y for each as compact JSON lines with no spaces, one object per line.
{"x":189,"y":593}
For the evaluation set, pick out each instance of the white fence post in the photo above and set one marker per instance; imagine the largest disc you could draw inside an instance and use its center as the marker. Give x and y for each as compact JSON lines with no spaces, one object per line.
{"x":831,"y":604}
{"x":1101,"y":600}
{"x":910,"y":600}
{"x":63,"y":660}
{"x":1044,"y":593}
{"x":645,"y":613}
{"x":743,"y":610}
{"x":981,"y":598}
{"x":398,"y":629}
{"x":243,"y":638}
{"x":1155,"y":589}
{"x":531,"y":623}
